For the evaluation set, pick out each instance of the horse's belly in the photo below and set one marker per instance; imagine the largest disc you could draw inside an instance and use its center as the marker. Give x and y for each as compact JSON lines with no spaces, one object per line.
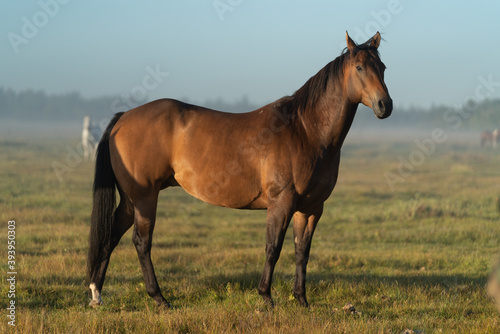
{"x":222,"y":187}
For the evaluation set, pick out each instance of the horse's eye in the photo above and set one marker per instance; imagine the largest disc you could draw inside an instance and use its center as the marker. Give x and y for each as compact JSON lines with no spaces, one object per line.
{"x":359,"y":68}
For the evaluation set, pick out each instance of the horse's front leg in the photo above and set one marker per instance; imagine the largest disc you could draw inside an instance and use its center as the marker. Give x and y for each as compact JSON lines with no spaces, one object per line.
{"x":304,"y":224}
{"x":279,"y":214}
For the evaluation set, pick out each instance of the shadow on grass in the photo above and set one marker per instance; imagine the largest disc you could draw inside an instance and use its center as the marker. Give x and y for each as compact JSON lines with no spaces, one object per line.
{"x":250,"y":280}
{"x":405,"y":281}
{"x":54,"y":292}
{"x":44,"y":253}
{"x":246,"y":281}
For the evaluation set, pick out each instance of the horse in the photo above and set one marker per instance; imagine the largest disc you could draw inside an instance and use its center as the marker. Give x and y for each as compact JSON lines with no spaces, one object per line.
{"x":283,"y":157}
{"x":492,"y":137}
{"x":89,"y":139}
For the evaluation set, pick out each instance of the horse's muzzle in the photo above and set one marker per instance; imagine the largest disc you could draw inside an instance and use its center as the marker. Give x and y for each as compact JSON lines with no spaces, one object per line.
{"x":382,"y":107}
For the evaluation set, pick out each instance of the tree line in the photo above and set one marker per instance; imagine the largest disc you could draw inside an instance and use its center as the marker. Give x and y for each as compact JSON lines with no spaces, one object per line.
{"x":36,"y":105}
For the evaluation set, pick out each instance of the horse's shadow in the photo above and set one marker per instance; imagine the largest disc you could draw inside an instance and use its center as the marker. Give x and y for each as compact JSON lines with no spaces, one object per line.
{"x":250,"y":280}
{"x":55,"y":291}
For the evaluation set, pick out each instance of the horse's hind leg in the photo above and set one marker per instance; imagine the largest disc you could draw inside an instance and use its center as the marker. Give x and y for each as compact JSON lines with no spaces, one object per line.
{"x":122,"y":221}
{"x":145,"y":216}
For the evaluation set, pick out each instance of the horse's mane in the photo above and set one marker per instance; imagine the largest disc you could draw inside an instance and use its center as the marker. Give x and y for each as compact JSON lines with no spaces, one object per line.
{"x":308,"y":95}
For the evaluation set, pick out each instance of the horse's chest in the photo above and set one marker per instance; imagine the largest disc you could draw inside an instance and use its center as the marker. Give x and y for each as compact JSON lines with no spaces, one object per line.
{"x":317,"y":184}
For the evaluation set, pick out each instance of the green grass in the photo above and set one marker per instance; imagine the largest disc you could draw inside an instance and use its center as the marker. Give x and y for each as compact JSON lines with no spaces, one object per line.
{"x":414,"y":258}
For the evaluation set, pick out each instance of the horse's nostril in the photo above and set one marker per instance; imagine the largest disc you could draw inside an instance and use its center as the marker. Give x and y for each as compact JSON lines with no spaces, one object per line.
{"x":381,"y":105}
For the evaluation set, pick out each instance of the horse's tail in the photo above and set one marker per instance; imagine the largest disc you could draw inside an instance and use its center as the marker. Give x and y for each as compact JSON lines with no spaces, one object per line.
{"x":104,"y":202}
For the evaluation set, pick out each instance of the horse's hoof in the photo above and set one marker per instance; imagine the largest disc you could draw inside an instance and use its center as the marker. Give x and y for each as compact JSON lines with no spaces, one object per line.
{"x":301,"y":299}
{"x":268,"y":301}
{"x":163,"y":304}
{"x":303,"y":303}
{"x":95,"y":303}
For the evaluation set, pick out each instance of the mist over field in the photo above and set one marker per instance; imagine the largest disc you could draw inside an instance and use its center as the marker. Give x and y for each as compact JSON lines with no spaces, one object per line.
{"x":35,"y":112}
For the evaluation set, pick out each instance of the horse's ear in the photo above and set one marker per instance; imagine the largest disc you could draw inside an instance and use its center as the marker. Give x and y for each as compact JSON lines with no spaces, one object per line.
{"x":351,"y":46}
{"x":375,"y":40}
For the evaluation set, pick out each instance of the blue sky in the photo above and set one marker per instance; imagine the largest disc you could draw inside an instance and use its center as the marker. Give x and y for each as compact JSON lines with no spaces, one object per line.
{"x":436,"y":52}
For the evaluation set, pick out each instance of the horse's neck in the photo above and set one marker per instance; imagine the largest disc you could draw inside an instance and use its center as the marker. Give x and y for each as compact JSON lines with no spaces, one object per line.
{"x":343,"y":126}
{"x":329,"y":122}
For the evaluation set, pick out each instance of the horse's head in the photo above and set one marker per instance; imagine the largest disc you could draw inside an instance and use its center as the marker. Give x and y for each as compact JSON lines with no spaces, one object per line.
{"x":364,"y":76}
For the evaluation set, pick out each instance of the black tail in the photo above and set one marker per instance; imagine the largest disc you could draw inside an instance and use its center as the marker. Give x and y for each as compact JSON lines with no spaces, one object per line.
{"x":104,"y":203}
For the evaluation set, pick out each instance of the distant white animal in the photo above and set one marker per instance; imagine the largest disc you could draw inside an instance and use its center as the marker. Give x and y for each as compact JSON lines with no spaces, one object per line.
{"x":89,"y":140}
{"x":492,"y":137}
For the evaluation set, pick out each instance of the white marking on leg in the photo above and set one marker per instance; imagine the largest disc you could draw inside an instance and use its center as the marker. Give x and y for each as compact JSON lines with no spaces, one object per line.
{"x":96,"y":295}
{"x":296,"y":240}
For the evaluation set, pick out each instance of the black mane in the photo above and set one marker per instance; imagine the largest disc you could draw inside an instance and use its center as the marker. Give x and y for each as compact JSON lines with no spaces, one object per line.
{"x":308,"y":95}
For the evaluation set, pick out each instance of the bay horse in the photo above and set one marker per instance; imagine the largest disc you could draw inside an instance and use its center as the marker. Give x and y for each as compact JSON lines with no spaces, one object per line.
{"x":283,"y":157}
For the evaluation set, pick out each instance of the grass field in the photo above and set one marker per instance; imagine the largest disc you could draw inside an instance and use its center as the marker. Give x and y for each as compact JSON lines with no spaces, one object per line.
{"x":414,"y":258}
